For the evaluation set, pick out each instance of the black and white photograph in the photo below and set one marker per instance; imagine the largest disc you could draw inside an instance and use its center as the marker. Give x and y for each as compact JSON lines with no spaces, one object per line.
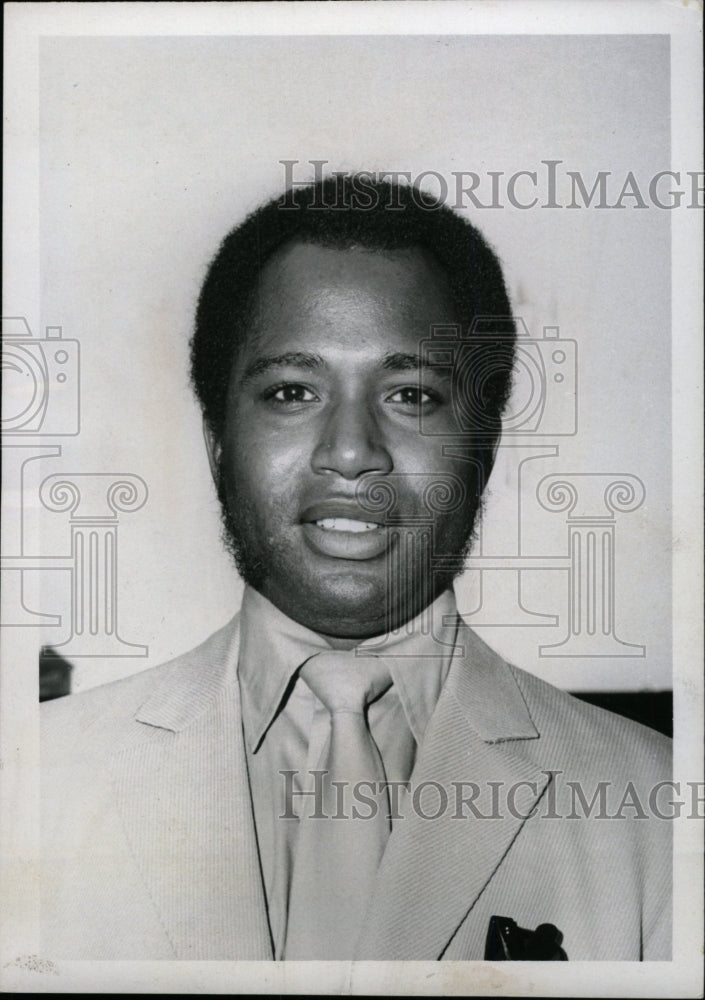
{"x":351,"y":515}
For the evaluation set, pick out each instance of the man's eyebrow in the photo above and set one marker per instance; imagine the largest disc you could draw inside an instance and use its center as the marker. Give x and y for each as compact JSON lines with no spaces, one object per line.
{"x":291,"y":359}
{"x":411,"y":363}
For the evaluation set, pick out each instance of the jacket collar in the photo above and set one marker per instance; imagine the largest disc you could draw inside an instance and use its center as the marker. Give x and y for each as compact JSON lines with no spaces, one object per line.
{"x":486,"y":689}
{"x":481,"y":681}
{"x":191,"y":684}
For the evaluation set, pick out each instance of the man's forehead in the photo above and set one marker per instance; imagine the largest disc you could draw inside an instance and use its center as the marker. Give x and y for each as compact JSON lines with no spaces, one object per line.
{"x":366,"y":293}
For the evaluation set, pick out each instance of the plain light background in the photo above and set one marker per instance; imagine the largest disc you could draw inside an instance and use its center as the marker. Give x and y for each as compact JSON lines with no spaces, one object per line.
{"x":152,"y":148}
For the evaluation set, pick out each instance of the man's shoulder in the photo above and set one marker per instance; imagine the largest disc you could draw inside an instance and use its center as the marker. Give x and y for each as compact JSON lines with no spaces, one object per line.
{"x":99,"y":715}
{"x":552,"y":716}
{"x":591,"y":736}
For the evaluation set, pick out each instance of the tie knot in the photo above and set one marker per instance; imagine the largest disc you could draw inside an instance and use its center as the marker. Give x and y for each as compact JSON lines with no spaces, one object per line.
{"x":345,"y":682}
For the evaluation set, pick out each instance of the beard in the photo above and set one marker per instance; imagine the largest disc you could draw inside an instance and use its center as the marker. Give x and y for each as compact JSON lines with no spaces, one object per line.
{"x":259,"y":559}
{"x":239,"y":532}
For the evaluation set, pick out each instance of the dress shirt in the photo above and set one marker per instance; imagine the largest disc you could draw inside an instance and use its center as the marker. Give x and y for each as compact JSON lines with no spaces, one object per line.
{"x":286,"y":727}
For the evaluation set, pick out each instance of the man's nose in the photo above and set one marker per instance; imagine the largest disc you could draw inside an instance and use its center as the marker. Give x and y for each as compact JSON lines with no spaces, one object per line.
{"x":351,"y":443}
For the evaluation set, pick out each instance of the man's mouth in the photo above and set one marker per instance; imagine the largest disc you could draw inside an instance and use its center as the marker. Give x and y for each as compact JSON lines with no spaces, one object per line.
{"x":339,"y":528}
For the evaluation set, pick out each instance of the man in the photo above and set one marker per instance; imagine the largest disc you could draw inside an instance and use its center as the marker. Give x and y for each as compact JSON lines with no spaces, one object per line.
{"x":346,"y":770}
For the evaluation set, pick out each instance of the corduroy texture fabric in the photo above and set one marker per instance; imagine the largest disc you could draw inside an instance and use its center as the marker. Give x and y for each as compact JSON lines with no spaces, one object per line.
{"x":150,"y":849}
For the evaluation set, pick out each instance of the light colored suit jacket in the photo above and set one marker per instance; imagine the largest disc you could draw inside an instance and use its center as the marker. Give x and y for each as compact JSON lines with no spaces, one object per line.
{"x":150,"y":849}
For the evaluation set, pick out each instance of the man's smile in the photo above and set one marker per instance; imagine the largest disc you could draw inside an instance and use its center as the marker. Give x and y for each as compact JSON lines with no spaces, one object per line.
{"x":340,"y":528}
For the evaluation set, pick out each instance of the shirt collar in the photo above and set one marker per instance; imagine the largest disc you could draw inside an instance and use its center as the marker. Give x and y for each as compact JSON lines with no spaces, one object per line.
{"x":273,"y":647}
{"x":418,"y":657}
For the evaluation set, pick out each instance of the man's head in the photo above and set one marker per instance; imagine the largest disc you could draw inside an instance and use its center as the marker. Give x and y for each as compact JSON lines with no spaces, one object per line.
{"x":319,"y":400}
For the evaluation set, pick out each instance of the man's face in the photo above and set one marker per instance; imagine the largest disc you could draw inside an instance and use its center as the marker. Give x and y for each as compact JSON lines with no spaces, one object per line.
{"x":325,"y":401}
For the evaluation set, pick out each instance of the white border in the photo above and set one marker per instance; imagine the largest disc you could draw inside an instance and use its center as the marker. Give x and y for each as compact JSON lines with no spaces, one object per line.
{"x":21,"y":968}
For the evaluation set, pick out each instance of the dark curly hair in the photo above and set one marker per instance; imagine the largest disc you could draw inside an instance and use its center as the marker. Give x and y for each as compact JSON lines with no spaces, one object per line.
{"x":346,"y":211}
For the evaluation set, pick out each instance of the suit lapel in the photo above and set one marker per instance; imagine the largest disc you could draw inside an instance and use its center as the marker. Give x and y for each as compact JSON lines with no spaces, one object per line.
{"x":434,"y":869}
{"x":182,"y":791}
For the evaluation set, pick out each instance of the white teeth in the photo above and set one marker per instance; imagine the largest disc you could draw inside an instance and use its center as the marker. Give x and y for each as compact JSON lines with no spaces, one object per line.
{"x":345,"y":524}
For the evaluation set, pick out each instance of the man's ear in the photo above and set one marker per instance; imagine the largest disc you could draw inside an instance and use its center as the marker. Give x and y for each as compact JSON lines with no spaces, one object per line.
{"x":213,"y":447}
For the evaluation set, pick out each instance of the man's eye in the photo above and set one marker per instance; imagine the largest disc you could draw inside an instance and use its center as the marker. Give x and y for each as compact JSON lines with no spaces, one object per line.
{"x":412,"y":395}
{"x":291,"y":392}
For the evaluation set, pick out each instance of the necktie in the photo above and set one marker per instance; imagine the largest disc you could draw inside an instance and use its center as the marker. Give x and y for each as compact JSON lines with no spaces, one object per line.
{"x":343,"y":831}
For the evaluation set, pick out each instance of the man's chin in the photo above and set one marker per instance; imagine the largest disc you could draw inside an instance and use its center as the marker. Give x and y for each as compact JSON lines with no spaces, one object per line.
{"x":351,"y":605}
